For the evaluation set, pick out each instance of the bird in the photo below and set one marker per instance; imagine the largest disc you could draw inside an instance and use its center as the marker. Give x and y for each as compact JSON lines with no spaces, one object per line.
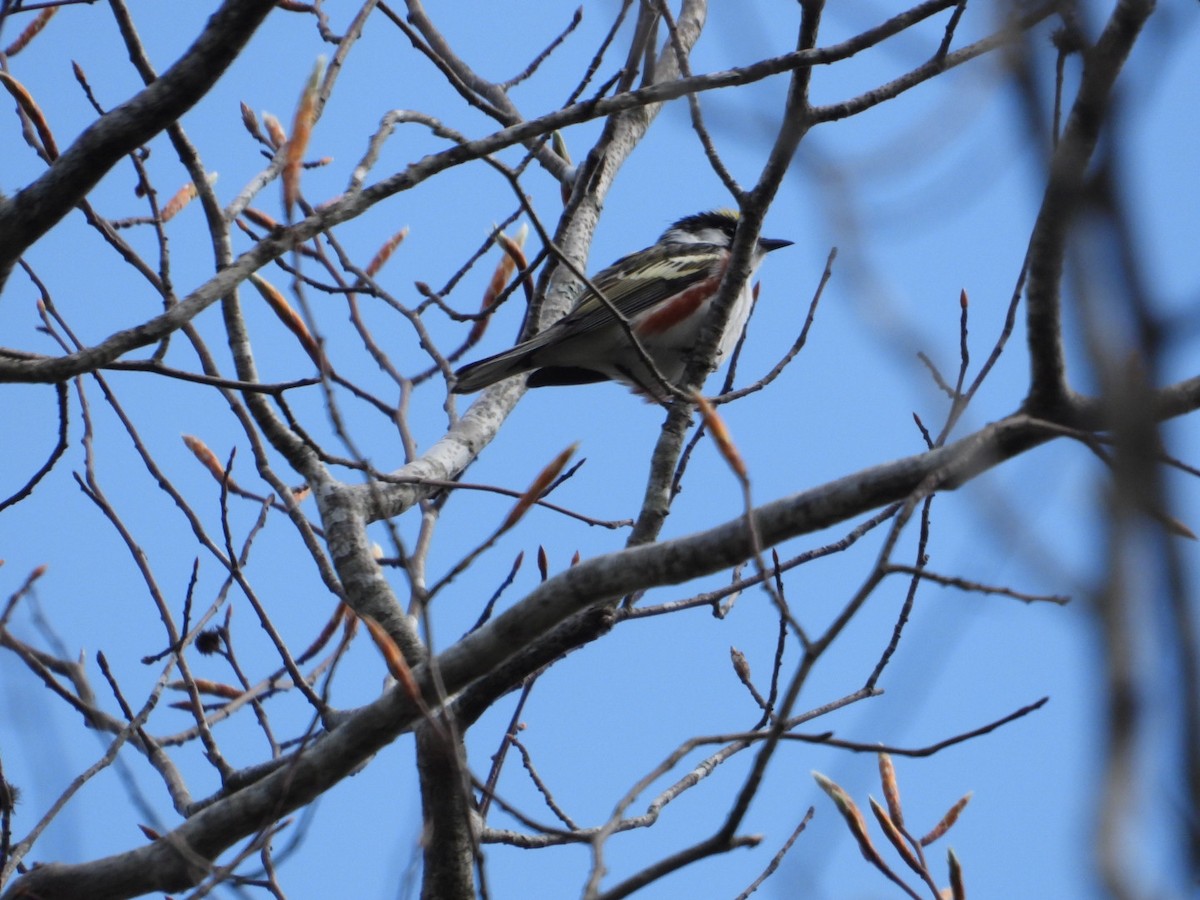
{"x":665,"y":292}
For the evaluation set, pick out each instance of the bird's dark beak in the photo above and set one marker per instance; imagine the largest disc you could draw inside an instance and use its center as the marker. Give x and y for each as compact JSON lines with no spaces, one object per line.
{"x":769,"y":244}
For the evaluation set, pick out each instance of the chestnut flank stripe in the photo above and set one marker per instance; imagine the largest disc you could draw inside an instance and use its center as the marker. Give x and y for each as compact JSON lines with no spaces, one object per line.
{"x":680,"y":307}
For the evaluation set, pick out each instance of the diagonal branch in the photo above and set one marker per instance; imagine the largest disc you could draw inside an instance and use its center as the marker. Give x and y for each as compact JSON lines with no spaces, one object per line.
{"x":26,"y":368}
{"x":1049,"y":391}
{"x":35,"y":210}
{"x":170,"y":863}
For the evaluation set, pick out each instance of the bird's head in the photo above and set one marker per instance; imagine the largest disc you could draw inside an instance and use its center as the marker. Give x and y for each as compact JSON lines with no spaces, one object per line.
{"x":717,"y":227}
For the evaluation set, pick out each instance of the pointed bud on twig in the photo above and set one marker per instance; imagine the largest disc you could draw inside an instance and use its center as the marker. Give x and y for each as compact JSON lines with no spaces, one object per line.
{"x":891,"y":788}
{"x":394,"y":659}
{"x":33,"y":111}
{"x":514,"y":256}
{"x":895,"y":838}
{"x":559,"y":145}
{"x":948,"y":819}
{"x":211,"y":688}
{"x":290,"y":318}
{"x":544,"y":479}
{"x":31,"y":31}
{"x":858,"y":827}
{"x":302,"y":123}
{"x":958,"y":890}
{"x":716,"y":427}
{"x":183,"y":197}
{"x":207,"y":458}
{"x":260,"y":218}
{"x":276,"y":136}
{"x":850,"y":812}
{"x":385,"y":252}
{"x":740,"y":666}
{"x":567,"y":185}
{"x":250,"y":121}
{"x":339,"y":613}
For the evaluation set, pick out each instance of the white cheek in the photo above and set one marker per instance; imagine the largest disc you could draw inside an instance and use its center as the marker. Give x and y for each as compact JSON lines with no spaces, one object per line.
{"x":712,"y":236}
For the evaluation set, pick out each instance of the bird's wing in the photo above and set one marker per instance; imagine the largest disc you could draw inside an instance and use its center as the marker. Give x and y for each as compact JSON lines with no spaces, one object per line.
{"x":640,"y":282}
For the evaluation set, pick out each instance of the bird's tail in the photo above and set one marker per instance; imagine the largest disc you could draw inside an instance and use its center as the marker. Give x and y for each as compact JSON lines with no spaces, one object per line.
{"x":478,"y":375}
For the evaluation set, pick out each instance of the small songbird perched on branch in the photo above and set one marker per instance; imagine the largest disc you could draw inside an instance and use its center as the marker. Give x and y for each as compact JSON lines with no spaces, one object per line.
{"x":665,"y":292}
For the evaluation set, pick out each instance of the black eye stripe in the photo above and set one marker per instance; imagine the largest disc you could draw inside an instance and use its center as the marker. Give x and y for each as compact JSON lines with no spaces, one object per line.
{"x":723,"y":220}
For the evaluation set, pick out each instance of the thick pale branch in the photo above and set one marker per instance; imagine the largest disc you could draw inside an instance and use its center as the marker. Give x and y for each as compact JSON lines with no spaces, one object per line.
{"x":161,"y":866}
{"x":22,"y":368}
{"x":753,"y":207}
